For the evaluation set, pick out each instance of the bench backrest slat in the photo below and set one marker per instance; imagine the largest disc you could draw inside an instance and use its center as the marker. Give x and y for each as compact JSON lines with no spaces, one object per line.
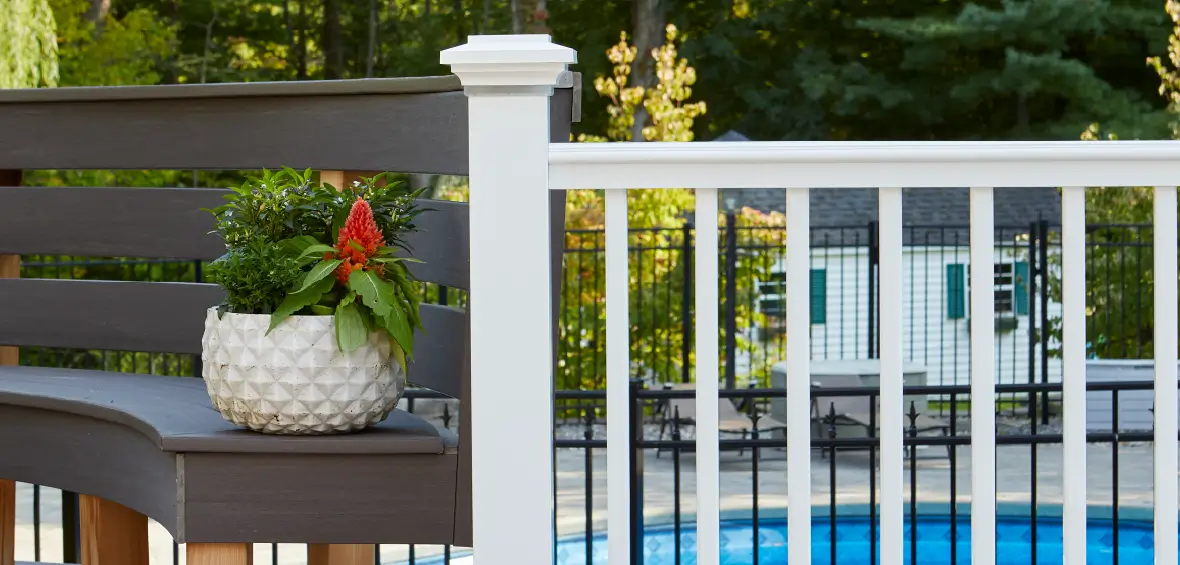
{"x":414,"y":133}
{"x":169,"y":223}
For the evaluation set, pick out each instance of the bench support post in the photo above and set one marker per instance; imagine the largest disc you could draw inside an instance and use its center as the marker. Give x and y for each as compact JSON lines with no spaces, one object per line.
{"x":340,"y":554}
{"x":219,"y":554}
{"x":111,"y":533}
{"x":7,"y":522}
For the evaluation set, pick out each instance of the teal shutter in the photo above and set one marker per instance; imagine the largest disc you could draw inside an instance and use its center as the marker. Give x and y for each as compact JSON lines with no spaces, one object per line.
{"x":819,"y":296}
{"x":1020,"y":286}
{"x":956,"y":295}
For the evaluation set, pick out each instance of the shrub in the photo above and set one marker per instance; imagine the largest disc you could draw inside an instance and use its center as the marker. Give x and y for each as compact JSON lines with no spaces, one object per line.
{"x":300,"y":248}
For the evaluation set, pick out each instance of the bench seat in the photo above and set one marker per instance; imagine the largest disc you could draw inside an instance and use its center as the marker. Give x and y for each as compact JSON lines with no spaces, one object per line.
{"x":156,"y":445}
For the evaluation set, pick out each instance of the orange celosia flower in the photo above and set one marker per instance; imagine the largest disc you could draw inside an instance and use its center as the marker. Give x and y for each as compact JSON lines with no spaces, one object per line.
{"x":359,"y":228}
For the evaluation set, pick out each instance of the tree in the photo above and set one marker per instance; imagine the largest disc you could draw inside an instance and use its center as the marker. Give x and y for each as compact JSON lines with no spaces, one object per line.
{"x":1120,"y":300}
{"x":1008,"y":72}
{"x":28,"y":44}
{"x":849,"y":69}
{"x":131,"y":49}
{"x":672,"y":117}
{"x":656,"y":217}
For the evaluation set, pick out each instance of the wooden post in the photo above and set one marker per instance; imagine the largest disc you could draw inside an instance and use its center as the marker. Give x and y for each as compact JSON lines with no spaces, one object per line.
{"x":339,"y":554}
{"x":9,"y":269}
{"x":334,"y":178}
{"x":7,"y":522}
{"x":219,"y":554}
{"x":111,"y":533}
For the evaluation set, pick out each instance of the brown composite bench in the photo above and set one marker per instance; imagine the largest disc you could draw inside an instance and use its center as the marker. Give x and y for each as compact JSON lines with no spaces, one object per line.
{"x":138,"y":446}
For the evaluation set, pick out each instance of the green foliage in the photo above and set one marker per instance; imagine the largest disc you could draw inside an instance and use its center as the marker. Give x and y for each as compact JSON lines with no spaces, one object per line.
{"x":1119,"y":270}
{"x":279,"y":205}
{"x":1017,"y":78}
{"x":658,"y":267}
{"x":255,"y":276}
{"x":672,"y":119}
{"x":28,"y":44}
{"x":923,"y":69}
{"x":128,"y":50}
{"x":297,"y":247}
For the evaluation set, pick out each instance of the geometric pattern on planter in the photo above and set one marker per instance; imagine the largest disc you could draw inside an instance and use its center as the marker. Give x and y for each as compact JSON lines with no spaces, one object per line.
{"x":295,"y":380}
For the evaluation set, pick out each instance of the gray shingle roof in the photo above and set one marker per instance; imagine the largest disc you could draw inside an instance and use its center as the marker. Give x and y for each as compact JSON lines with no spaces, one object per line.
{"x":948,"y":210}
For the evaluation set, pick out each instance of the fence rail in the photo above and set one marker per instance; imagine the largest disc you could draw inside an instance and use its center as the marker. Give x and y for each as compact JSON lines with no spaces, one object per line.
{"x":709,"y":166}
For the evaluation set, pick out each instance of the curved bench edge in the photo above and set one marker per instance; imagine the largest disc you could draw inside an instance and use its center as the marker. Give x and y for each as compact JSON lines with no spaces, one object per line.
{"x":83,"y":408}
{"x":77,"y":453}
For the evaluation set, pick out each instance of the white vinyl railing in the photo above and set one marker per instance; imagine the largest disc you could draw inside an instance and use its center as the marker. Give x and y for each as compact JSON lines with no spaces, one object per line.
{"x":508,"y":80}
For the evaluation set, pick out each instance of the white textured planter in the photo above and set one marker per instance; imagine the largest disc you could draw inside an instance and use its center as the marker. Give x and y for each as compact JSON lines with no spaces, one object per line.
{"x":296,"y":380}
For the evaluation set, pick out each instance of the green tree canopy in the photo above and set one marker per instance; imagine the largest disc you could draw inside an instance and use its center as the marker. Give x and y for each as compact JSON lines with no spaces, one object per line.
{"x":924,"y":69}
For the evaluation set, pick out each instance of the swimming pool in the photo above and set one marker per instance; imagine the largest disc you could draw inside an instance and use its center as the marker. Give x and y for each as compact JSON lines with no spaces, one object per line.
{"x":1013,"y":543}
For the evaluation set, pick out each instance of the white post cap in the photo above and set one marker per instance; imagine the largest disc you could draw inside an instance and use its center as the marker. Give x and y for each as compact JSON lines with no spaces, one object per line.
{"x":508,"y":60}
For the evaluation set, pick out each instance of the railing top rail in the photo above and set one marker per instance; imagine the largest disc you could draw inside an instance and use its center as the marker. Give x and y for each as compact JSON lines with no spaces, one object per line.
{"x":723,"y":153}
{"x":413,"y":85}
{"x":829,"y":164}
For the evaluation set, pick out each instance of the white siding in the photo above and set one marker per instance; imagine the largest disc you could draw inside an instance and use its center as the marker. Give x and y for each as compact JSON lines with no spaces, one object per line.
{"x":931,"y":339}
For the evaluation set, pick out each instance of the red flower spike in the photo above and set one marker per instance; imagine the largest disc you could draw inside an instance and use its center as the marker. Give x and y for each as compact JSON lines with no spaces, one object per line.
{"x":360,"y":228}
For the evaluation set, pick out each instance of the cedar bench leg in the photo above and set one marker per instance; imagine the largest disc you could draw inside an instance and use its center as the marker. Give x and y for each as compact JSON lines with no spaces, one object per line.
{"x":219,"y":553}
{"x":7,"y":522}
{"x":111,"y":533}
{"x":340,"y":554}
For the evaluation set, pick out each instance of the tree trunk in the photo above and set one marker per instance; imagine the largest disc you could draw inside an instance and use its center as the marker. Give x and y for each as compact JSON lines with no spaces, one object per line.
{"x":301,"y":70}
{"x":333,"y":41}
{"x":649,"y":20}
{"x":487,"y":13}
{"x":372,"y":39}
{"x":289,"y":28}
{"x":537,"y":12}
{"x":460,"y":30}
{"x":517,"y":25}
{"x":97,"y":14}
{"x":208,"y":44}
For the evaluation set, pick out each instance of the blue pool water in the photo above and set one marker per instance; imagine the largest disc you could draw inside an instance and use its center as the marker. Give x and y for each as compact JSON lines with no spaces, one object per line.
{"x":1013,"y":543}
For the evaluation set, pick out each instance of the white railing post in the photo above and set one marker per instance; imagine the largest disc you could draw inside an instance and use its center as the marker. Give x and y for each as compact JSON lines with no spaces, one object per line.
{"x":1073,"y":378}
{"x":983,"y":377}
{"x":1165,"y":375}
{"x":509,"y":81}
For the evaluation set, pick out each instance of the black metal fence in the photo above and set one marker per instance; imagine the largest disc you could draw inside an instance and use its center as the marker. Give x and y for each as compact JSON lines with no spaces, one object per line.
{"x":662,"y":310}
{"x":654,"y":406}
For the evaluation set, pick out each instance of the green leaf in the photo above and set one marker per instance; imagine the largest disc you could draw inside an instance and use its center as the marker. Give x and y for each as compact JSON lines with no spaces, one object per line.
{"x":395,"y":260}
{"x":350,"y":328}
{"x":367,"y":317}
{"x":297,"y":301}
{"x":338,"y":223}
{"x":316,"y":250}
{"x":294,"y":246}
{"x":374,"y":292}
{"x":318,"y":272}
{"x":353,"y":244}
{"x":399,"y":328}
{"x":321,"y":310}
{"x":400,"y":355}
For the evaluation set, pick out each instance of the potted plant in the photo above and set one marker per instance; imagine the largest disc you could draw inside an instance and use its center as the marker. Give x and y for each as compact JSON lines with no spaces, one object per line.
{"x":320,"y":311}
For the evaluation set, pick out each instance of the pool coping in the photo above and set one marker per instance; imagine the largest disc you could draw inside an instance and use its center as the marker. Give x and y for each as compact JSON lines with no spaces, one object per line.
{"x":929,"y":509}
